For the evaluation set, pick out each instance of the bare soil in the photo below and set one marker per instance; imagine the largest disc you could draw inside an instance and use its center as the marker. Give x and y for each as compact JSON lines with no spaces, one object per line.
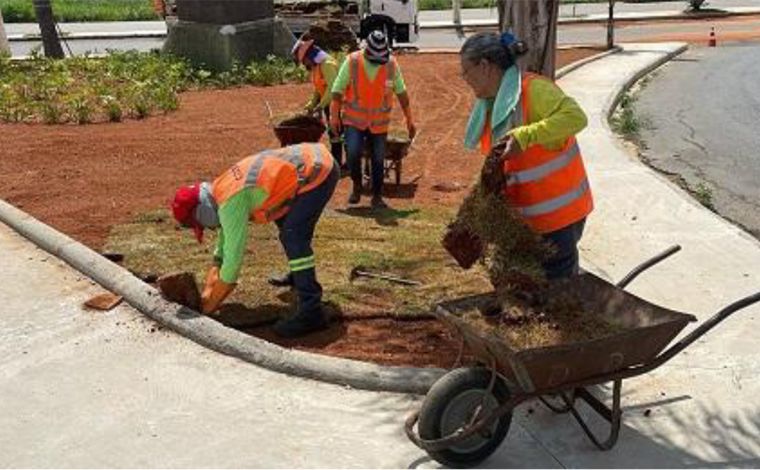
{"x":84,"y":180}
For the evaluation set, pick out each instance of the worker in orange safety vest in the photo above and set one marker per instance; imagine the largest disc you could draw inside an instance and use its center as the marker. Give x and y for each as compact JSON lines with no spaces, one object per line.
{"x":323,"y":69}
{"x":546,"y":180}
{"x":363,"y":91}
{"x":289,"y":186}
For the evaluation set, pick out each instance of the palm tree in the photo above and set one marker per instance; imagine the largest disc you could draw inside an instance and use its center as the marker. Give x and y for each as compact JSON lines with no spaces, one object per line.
{"x":50,"y":41}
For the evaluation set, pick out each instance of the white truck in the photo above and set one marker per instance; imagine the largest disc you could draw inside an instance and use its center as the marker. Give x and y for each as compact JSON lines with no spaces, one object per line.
{"x":397,"y":18}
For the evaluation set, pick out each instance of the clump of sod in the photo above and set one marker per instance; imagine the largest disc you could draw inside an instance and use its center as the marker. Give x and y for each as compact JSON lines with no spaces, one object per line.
{"x":496,"y":234}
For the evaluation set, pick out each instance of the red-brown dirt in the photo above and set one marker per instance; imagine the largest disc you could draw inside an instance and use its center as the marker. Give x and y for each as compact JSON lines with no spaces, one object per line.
{"x":83,"y":180}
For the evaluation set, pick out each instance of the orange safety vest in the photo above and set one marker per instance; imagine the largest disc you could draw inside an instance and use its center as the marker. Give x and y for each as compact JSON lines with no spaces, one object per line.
{"x":369,"y":103}
{"x":283,"y":173}
{"x":549,"y":188}
{"x":318,"y":80}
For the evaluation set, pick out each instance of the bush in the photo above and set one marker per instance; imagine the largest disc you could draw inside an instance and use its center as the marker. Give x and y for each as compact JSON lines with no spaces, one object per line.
{"x":84,"y":89}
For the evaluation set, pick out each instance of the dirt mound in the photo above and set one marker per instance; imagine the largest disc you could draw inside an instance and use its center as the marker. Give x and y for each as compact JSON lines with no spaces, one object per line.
{"x":180,"y":288}
{"x":298,"y":129}
{"x":332,"y":35}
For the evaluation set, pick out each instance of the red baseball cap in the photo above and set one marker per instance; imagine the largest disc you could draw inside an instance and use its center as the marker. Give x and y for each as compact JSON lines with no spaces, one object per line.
{"x":186,"y":199}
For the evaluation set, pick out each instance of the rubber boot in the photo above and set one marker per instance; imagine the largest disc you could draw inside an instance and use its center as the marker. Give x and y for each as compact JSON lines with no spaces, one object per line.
{"x":356,"y":193}
{"x":309,"y":315}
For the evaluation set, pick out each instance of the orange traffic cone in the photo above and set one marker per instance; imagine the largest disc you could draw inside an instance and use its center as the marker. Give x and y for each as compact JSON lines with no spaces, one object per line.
{"x":712,"y":42}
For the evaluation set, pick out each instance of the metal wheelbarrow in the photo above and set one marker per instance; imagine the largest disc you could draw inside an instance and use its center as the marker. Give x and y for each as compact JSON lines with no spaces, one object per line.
{"x":467,"y":413}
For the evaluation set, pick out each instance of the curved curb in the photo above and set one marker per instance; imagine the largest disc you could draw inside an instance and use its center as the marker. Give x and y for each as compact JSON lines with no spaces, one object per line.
{"x":612,"y":104}
{"x":210,"y":333}
{"x":216,"y":336}
{"x":580,"y":63}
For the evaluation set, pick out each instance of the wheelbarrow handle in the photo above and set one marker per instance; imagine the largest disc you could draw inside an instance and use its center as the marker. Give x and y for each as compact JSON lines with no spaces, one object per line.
{"x":646,"y":265}
{"x":703,"y":328}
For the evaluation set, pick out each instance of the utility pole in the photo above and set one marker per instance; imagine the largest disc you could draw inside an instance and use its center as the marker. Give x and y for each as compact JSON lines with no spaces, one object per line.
{"x":535,"y":23}
{"x":5,"y":49}
{"x":611,"y":24}
{"x":50,"y":41}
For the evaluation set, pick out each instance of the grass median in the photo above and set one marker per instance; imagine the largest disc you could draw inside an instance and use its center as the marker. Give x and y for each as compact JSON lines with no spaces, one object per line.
{"x":404,"y":243}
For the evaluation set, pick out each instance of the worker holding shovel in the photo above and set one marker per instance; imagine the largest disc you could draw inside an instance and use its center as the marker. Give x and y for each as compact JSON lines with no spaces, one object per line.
{"x":323,"y":69}
{"x":544,"y":179}
{"x":289,"y":186}
{"x":364,"y":90}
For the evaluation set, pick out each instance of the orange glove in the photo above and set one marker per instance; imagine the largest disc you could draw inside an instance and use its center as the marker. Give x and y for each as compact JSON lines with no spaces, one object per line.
{"x":214,"y":291}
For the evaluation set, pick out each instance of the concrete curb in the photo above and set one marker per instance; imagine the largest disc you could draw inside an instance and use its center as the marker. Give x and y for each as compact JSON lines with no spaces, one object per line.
{"x":580,"y":63}
{"x":210,"y":333}
{"x":615,"y":100}
{"x":214,"y":335}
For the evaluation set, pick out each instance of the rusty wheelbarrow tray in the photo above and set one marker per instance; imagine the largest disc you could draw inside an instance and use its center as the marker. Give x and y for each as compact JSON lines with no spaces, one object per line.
{"x":396,"y":149}
{"x":467,"y":413}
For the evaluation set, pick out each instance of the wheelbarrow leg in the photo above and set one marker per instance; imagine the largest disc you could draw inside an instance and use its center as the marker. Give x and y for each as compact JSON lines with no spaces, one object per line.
{"x":612,"y":416}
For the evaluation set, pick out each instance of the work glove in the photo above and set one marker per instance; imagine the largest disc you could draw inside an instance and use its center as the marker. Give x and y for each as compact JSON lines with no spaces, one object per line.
{"x":214,"y":291}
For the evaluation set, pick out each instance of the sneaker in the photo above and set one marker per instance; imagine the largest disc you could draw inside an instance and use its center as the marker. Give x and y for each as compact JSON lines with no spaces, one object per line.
{"x":378,"y":203}
{"x":301,"y":324}
{"x":283,"y":280}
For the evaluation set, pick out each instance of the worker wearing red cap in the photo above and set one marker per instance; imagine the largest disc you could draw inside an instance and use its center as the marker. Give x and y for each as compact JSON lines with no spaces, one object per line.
{"x":289,"y":186}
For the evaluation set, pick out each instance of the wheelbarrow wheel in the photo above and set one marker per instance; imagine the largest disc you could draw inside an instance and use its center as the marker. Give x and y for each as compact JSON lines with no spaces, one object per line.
{"x":451,"y":403}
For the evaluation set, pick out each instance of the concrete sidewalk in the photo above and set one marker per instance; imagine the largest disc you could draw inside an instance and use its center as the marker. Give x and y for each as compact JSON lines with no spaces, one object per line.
{"x":704,"y":406}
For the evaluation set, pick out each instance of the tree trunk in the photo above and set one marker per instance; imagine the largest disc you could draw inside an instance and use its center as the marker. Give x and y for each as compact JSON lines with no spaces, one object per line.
{"x":535,"y":22}
{"x":50,"y":41}
{"x":5,"y":49}
{"x":611,"y":24}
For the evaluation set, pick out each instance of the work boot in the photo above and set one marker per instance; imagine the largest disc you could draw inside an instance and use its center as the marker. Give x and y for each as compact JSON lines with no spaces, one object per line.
{"x":378,"y":203}
{"x":282,"y":280}
{"x":301,"y":324}
{"x":356,"y":194}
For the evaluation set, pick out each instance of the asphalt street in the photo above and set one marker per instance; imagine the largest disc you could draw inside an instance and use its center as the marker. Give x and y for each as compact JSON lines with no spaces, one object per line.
{"x":704,"y":109}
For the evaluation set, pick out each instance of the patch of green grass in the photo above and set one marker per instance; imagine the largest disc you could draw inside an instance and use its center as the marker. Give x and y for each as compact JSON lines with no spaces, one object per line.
{"x":704,"y":195}
{"x":84,"y":89}
{"x":626,"y":121}
{"x":402,"y":243}
{"x":22,"y":11}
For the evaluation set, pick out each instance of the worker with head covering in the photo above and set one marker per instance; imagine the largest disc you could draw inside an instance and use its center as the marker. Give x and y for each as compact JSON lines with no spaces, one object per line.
{"x":323,"y":69}
{"x":543,"y":168}
{"x":289,"y":186}
{"x":363,"y":90}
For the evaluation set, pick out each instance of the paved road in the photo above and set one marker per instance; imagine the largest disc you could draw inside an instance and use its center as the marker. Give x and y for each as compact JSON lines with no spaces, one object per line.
{"x":693,"y":31}
{"x":705,"y":110}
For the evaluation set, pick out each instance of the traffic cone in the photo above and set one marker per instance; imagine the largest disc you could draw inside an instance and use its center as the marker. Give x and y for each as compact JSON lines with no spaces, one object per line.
{"x":712,"y":42}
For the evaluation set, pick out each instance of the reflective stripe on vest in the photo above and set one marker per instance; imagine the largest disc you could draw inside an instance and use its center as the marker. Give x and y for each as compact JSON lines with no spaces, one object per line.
{"x":549,"y":188}
{"x":283,"y":173}
{"x":541,"y":171}
{"x":368,"y":103}
{"x":552,"y":205}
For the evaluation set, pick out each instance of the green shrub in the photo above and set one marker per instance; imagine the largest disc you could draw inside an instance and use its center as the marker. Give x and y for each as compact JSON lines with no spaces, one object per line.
{"x":85,"y":89}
